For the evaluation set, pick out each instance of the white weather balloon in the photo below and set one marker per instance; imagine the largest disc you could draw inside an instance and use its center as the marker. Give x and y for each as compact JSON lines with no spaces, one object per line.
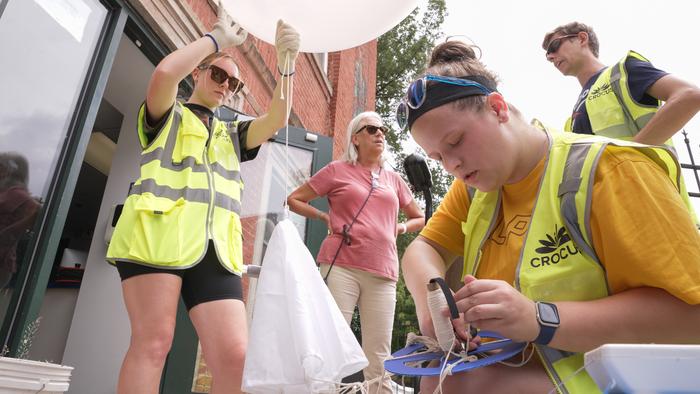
{"x":324,"y":25}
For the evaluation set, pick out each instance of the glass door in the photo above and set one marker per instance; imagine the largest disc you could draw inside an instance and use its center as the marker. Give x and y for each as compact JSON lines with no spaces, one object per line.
{"x":49,"y":71}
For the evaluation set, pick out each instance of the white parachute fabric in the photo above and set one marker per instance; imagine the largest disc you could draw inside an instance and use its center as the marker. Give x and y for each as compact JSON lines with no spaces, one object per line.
{"x":299,"y":341}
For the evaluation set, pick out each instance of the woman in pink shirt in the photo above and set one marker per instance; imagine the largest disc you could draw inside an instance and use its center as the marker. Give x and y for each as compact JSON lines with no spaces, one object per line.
{"x":358,"y":258}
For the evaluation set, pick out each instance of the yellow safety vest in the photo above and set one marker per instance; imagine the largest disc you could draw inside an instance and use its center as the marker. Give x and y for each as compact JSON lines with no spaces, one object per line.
{"x":189,"y":192}
{"x":614,"y":113}
{"x":611,"y":109}
{"x":557,"y":261}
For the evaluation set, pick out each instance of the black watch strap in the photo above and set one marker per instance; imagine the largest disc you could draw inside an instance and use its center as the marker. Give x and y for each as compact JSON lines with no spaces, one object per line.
{"x":547,"y":326}
{"x":546,"y":335}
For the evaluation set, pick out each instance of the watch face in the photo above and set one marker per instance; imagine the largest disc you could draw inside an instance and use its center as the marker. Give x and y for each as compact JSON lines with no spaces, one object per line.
{"x":548,"y":313}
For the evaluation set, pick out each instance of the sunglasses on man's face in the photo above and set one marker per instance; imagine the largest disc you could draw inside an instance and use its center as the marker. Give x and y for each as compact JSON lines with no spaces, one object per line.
{"x":219,"y":76}
{"x":554,"y":45}
{"x":372,"y":130}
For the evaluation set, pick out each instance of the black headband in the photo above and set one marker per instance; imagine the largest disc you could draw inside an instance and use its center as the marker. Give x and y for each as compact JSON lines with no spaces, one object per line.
{"x":438,"y":94}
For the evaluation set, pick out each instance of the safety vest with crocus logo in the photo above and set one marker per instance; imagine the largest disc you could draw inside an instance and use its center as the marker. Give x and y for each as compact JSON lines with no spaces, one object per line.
{"x":189,"y":192}
{"x":557,"y":261}
{"x":614,"y":113}
{"x":612,"y":110}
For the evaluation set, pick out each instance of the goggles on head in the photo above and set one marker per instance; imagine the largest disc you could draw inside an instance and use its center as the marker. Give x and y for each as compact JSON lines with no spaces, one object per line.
{"x":413,"y":105}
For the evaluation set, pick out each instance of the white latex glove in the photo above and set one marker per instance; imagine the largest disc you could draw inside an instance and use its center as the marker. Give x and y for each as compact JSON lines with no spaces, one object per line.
{"x":286,"y":43}
{"x":226,"y":32}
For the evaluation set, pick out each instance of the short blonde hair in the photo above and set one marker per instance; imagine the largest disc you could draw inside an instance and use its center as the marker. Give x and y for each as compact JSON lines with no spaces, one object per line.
{"x":351,"y":154}
{"x":211,"y":58}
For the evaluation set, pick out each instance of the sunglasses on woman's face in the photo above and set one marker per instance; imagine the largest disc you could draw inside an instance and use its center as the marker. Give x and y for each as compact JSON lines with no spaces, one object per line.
{"x":554,"y":45}
{"x":219,"y":75}
{"x":372,"y":130}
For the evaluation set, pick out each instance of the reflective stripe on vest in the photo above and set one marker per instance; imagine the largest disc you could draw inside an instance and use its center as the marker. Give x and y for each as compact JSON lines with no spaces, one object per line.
{"x":188,"y":192}
{"x":557,"y":260}
{"x":637,"y":115}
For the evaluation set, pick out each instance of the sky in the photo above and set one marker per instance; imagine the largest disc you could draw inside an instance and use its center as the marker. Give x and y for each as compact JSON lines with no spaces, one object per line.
{"x":510,"y":34}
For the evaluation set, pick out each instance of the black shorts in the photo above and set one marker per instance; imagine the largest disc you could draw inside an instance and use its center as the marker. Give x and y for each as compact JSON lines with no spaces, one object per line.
{"x":206,"y":281}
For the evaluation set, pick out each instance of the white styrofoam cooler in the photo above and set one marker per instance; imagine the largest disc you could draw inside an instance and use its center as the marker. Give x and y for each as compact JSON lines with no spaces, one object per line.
{"x":27,"y":376}
{"x":649,"y":368}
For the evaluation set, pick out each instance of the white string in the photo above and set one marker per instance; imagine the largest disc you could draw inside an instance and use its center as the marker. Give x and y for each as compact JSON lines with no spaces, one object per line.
{"x":444,"y":371}
{"x":381,"y":381}
{"x":354,"y":387}
{"x":524,"y":360}
{"x":364,"y":386}
{"x":571,"y":376}
{"x":288,"y":111}
{"x":431,"y":346}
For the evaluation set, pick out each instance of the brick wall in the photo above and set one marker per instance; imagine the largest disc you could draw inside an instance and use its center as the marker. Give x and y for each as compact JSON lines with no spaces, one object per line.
{"x":316,"y":106}
{"x":353,"y":73}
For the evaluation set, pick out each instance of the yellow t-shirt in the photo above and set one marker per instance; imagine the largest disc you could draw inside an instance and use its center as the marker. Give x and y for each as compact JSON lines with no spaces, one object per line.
{"x":641,"y":229}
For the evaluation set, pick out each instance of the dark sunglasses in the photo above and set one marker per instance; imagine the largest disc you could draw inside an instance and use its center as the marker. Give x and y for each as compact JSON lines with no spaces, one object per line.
{"x":554,"y":45}
{"x":372,"y":130}
{"x":219,"y":75}
{"x":416,"y":93}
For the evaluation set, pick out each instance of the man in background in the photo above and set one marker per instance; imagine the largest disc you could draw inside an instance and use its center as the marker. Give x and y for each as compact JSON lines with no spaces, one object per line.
{"x":624,"y":100}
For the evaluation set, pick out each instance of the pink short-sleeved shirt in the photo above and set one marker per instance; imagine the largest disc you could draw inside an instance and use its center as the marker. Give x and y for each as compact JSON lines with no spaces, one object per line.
{"x":373,"y":236}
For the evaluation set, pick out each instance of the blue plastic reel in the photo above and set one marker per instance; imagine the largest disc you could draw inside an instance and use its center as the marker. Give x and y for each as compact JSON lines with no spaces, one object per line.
{"x":398,"y":366}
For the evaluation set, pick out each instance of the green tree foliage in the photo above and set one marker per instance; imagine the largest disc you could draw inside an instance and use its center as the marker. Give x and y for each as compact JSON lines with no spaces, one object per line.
{"x":402,"y":55}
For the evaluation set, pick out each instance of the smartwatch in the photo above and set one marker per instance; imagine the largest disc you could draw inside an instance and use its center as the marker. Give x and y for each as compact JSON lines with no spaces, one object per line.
{"x":548,"y":319}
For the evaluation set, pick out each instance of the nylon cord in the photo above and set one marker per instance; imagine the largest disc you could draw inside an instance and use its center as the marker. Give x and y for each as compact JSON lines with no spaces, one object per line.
{"x":288,"y":111}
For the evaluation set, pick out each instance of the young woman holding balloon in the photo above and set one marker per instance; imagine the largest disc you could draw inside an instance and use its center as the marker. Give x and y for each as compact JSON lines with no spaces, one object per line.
{"x":180,"y":232}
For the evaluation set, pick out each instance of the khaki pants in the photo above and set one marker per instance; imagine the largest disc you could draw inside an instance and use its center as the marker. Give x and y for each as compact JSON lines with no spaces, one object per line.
{"x":375,"y":297}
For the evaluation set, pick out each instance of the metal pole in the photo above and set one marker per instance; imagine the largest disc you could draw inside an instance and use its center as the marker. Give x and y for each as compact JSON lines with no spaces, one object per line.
{"x":692,"y":162}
